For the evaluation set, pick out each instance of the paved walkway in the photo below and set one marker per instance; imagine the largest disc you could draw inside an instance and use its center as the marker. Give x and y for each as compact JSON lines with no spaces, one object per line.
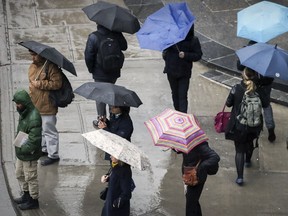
{"x":72,"y":186}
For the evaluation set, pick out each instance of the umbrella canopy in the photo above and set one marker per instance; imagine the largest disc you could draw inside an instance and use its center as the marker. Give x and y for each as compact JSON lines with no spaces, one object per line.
{"x":266,"y":59}
{"x":118,"y":147}
{"x":50,"y":54}
{"x":176,"y":130}
{"x":109,"y":93}
{"x":262,"y":22}
{"x":166,"y":27}
{"x":113,"y":17}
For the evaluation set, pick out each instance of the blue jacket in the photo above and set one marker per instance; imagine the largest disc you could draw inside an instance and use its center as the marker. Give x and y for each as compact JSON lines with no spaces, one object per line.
{"x":91,"y":51}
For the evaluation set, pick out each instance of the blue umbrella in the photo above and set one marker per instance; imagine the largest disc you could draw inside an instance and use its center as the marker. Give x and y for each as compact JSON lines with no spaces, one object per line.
{"x":166,"y":27}
{"x":262,"y":22}
{"x":266,"y":59}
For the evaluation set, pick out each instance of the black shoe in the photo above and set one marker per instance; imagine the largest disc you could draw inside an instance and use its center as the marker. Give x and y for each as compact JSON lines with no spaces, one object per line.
{"x":271,"y":136}
{"x":30,"y":204}
{"x":49,"y":161}
{"x":248,"y":164}
{"x":23,"y":199}
{"x":44,"y":153}
{"x":239,"y":181}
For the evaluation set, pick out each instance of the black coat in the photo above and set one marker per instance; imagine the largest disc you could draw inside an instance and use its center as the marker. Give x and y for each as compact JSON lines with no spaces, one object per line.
{"x":122,"y":126}
{"x":209,"y":160}
{"x":234,"y":100}
{"x":119,"y":192}
{"x":91,"y":51}
{"x":182,"y":67}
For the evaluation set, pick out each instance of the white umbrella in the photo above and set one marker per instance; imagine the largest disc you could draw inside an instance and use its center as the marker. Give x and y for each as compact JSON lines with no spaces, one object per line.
{"x":119,"y":147}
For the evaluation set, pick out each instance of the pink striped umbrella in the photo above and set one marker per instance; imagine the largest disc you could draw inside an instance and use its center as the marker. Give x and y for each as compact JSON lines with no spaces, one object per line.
{"x":176,"y":130}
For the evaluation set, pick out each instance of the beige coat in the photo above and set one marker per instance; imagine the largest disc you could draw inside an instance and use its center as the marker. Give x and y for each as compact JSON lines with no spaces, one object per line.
{"x":40,"y":94}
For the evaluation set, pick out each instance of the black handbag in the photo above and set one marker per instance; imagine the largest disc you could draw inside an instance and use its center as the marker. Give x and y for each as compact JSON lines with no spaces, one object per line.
{"x":103,"y":193}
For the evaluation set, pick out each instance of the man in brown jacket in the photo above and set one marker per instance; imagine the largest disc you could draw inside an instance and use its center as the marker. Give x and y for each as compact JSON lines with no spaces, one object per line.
{"x":45,"y":76}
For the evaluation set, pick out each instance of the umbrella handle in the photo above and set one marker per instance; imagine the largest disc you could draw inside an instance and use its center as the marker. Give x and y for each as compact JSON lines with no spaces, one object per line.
{"x":37,"y":77}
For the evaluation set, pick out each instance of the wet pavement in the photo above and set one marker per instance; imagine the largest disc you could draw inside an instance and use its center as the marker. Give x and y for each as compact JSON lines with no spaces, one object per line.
{"x":72,"y":187}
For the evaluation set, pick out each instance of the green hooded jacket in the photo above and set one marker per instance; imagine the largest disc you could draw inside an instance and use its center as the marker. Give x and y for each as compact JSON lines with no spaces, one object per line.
{"x":29,"y":122}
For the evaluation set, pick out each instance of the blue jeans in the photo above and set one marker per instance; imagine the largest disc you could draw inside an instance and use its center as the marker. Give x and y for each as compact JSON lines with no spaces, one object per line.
{"x":179,"y":87}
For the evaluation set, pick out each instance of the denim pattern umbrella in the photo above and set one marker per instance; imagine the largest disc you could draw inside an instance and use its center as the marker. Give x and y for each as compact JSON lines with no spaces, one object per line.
{"x":118,"y":147}
{"x":176,"y":130}
{"x":166,"y":27}
{"x":262,"y":22}
{"x":266,"y":59}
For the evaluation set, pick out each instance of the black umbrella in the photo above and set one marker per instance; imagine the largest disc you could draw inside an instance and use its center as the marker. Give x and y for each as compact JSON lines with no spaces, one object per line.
{"x":113,"y":17}
{"x":109,"y":94}
{"x":50,"y":54}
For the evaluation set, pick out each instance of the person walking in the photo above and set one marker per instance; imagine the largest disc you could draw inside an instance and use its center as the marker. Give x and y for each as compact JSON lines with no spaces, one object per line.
{"x":179,"y":60}
{"x":45,"y":76}
{"x":243,"y":136}
{"x":120,"y":123}
{"x":208,"y":164}
{"x":119,"y":178}
{"x":92,"y":55}
{"x":27,"y":154}
{"x":264,"y":87}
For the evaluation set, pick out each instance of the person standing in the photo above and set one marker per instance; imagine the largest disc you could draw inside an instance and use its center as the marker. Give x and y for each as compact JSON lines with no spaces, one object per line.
{"x":28,"y":154}
{"x":208,"y":161}
{"x":179,"y":60}
{"x":95,"y":68}
{"x":243,"y":136}
{"x":120,"y":123}
{"x":117,"y":202}
{"x":264,"y":87}
{"x":45,"y":76}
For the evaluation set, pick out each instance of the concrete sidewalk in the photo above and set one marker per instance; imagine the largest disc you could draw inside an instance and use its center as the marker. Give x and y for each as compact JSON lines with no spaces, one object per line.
{"x":72,"y":187}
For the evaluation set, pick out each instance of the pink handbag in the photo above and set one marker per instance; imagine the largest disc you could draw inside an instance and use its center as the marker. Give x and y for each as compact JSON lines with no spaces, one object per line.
{"x":221,"y":120}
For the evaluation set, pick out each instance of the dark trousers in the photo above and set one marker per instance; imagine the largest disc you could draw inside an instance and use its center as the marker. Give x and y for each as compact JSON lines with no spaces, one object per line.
{"x":193,"y":194}
{"x":179,"y":89}
{"x":101,"y":107}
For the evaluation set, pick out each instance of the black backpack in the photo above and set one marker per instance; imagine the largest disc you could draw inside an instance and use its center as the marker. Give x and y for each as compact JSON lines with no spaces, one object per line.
{"x":64,"y":96}
{"x":110,"y":56}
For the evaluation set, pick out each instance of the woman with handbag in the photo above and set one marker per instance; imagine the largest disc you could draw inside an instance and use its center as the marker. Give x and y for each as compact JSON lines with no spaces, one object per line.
{"x":206,"y":160}
{"x":243,"y":136}
{"x":117,"y":202}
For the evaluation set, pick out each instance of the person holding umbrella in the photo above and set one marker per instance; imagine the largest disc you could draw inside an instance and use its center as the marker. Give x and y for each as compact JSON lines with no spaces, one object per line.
{"x":207,"y":160}
{"x":179,"y":60}
{"x":120,"y":123}
{"x":119,"y":178}
{"x":264,"y":87}
{"x":45,"y":76}
{"x":95,"y":68}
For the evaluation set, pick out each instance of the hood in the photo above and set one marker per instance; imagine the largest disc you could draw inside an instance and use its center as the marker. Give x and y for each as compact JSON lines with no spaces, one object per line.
{"x":22,"y":97}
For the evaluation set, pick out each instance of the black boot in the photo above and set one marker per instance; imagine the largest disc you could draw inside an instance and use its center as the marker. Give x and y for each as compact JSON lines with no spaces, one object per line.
{"x":23,"y":199}
{"x":271,"y":136}
{"x":31,"y":204}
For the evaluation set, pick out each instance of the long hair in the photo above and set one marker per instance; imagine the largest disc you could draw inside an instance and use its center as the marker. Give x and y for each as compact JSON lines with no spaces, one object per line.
{"x":248,"y":76}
